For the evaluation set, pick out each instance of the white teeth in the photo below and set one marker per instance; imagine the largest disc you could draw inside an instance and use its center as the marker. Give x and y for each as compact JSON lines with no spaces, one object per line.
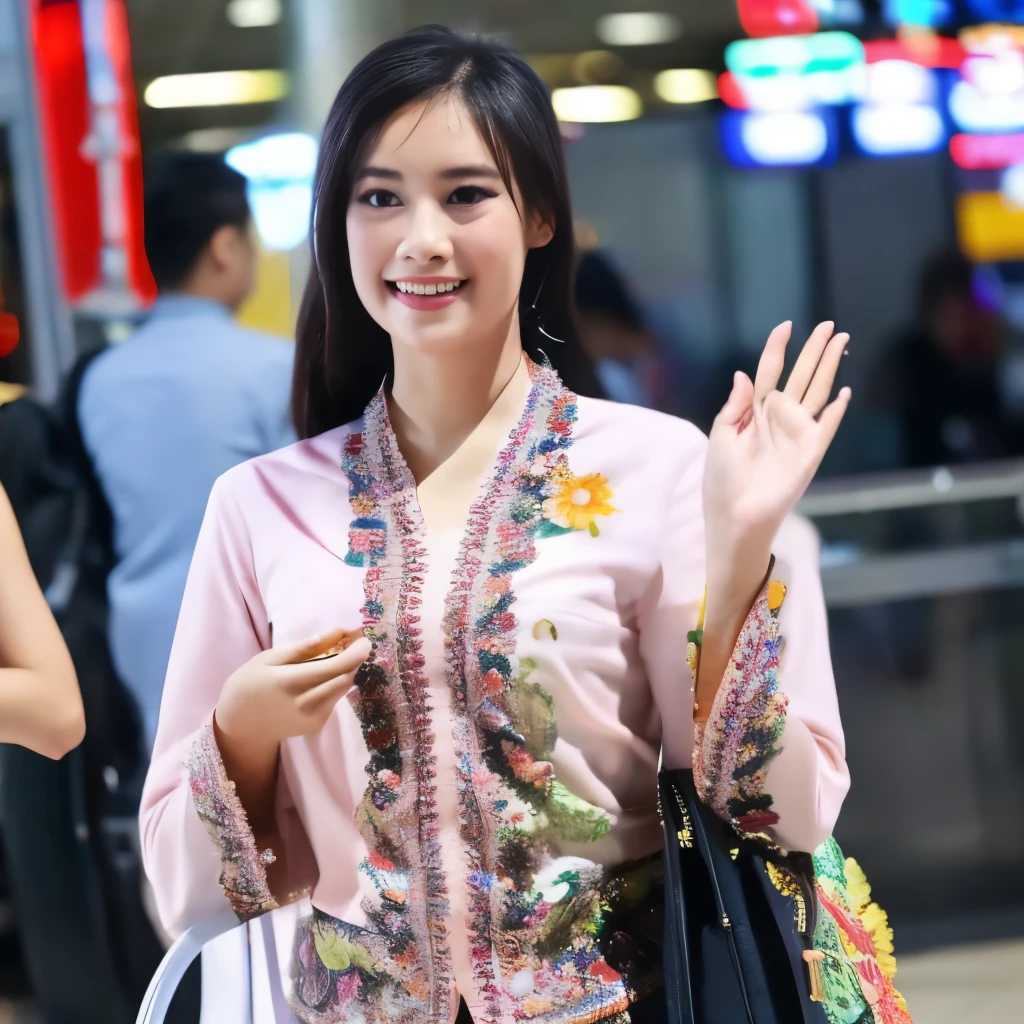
{"x":426,"y":289}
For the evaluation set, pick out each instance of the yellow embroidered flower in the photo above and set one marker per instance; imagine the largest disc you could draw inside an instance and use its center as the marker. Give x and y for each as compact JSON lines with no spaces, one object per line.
{"x":776,"y":595}
{"x":578,"y":501}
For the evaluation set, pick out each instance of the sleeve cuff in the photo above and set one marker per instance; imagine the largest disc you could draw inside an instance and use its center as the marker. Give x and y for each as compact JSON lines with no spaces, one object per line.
{"x":733,"y":751}
{"x":243,"y":867}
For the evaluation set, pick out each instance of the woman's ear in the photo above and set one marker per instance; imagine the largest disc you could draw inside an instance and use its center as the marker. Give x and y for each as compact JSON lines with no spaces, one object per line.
{"x":539,"y":232}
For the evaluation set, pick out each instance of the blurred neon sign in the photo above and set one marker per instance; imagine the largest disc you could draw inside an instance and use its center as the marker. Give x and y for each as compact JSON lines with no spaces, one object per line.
{"x":794,"y":55}
{"x":788,"y":92}
{"x":792,"y":73}
{"x":998,"y":10}
{"x":926,"y":13}
{"x":930,"y":51}
{"x":987,"y":152}
{"x":779,"y":139}
{"x":898,"y":128}
{"x":990,"y":94}
{"x":775,"y":17}
{"x":992,"y":40}
{"x":885,"y":81}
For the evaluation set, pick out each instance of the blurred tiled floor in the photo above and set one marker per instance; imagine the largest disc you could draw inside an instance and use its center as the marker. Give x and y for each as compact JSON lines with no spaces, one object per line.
{"x":981,"y":984}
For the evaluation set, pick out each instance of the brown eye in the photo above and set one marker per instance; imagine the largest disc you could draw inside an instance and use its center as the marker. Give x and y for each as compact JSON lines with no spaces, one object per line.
{"x":469,"y":195}
{"x":379,"y":197}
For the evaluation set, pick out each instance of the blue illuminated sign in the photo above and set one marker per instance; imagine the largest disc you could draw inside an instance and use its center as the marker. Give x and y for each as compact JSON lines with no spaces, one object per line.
{"x":997,"y":10}
{"x":930,"y":13}
{"x":783,"y":139}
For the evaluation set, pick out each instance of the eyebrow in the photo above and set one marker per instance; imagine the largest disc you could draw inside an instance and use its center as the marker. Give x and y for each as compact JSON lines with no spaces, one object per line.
{"x":467,"y":171}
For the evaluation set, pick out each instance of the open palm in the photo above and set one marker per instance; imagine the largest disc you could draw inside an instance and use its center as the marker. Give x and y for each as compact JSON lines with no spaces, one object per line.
{"x":766,"y":444}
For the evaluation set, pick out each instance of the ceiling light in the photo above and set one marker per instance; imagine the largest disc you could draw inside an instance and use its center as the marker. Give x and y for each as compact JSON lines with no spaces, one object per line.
{"x":253,"y":13}
{"x":686,"y":85}
{"x":596,"y":67}
{"x":638,"y":29}
{"x":215,"y":140}
{"x":595,"y":103}
{"x":216,"y":89}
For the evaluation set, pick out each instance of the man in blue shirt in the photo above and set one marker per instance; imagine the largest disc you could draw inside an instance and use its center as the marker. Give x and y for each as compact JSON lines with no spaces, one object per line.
{"x":187,"y":397}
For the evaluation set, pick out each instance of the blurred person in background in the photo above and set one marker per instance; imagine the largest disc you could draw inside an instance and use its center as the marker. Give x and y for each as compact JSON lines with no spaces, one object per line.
{"x":187,"y":397}
{"x":498,"y":571}
{"x":613,"y":333}
{"x":940,"y":379}
{"x":40,"y":705}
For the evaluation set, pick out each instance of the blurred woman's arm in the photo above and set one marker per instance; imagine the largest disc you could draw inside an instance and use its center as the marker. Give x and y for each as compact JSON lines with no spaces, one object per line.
{"x":40,"y":705}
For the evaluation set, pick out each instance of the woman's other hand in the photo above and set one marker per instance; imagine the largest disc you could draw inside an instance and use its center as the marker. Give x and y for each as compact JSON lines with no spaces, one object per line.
{"x":290,"y":691}
{"x":280,"y":693}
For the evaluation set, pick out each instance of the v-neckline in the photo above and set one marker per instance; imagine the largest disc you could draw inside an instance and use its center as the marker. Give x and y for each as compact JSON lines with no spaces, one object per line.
{"x":445,"y":497}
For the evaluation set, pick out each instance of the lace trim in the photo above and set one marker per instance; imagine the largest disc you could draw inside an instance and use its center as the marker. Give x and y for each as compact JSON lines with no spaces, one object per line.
{"x":243,"y":867}
{"x":733,"y":752}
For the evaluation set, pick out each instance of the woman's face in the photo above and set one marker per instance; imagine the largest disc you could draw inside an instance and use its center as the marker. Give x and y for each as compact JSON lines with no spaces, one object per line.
{"x":436,"y":244}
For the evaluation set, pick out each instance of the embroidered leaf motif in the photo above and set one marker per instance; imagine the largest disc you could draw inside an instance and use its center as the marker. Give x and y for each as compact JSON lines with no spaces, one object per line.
{"x":544,"y":628}
{"x":550,"y":529}
{"x":339,"y":953}
{"x":532,"y":708}
{"x":572,"y":818}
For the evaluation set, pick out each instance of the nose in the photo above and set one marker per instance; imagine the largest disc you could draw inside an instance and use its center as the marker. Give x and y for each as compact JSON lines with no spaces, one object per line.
{"x":427,"y":239}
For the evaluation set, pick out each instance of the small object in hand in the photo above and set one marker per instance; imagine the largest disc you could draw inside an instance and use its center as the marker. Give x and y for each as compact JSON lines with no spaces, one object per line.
{"x":343,"y":644}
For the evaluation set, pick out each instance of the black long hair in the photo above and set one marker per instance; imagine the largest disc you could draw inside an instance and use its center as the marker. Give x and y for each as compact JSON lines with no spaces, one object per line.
{"x":342,"y":353}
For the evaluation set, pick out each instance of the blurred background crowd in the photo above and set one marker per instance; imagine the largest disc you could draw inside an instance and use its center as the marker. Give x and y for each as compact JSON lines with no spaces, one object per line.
{"x":734,"y":163}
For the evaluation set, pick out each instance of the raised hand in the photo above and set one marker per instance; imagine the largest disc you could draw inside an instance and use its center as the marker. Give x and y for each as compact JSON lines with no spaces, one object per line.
{"x":766,"y":444}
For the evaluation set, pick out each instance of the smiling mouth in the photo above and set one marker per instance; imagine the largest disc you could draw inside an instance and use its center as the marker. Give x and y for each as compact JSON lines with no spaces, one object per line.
{"x":434,"y":288}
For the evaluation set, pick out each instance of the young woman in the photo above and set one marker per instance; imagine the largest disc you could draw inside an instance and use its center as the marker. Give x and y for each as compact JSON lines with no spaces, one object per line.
{"x":40,"y":706}
{"x":498,"y":577}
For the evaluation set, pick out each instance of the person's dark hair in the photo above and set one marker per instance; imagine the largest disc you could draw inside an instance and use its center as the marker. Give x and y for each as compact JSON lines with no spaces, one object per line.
{"x":342,"y":354}
{"x":600,"y":289}
{"x":188,"y":197}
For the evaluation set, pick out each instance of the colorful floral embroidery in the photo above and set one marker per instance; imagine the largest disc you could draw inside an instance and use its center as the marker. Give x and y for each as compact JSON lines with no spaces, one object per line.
{"x":733,"y":752}
{"x":555,"y":936}
{"x":343,"y":973}
{"x":410,"y":959}
{"x":544,"y":915}
{"x":243,"y":867}
{"x":577,"y":501}
{"x":858,"y":967}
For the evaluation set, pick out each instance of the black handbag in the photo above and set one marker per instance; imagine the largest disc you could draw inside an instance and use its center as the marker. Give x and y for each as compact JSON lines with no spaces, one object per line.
{"x":739,"y":920}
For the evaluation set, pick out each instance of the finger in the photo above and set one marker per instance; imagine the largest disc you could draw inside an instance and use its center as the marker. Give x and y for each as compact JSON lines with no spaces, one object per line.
{"x":807,"y":361}
{"x":825,"y":375}
{"x":773,"y":358}
{"x":312,"y":647}
{"x":303,"y":677}
{"x":738,"y":404}
{"x":319,"y":700}
{"x":832,"y":416}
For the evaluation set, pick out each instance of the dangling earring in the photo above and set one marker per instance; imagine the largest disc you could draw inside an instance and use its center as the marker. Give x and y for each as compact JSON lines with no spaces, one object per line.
{"x":534,"y":316}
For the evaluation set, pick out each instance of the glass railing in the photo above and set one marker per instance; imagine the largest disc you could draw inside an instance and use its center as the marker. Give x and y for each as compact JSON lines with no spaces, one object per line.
{"x":924,"y":578}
